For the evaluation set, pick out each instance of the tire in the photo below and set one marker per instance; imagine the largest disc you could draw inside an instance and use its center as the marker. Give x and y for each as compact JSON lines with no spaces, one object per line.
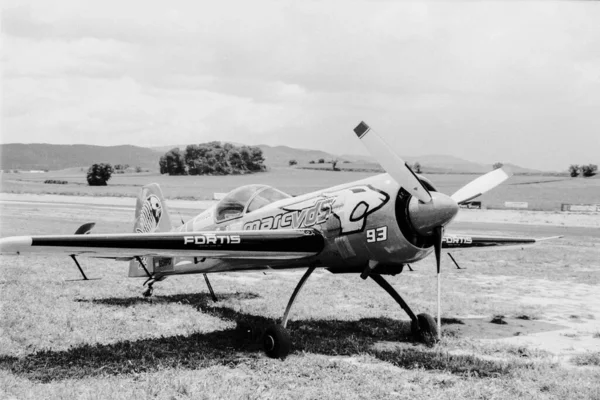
{"x":277,"y":342}
{"x":428,"y":329}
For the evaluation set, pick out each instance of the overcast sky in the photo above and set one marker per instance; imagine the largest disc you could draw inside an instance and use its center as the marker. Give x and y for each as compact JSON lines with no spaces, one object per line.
{"x":514,"y":81}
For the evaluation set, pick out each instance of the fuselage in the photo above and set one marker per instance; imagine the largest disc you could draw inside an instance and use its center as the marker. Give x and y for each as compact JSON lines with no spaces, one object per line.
{"x":363,"y":222}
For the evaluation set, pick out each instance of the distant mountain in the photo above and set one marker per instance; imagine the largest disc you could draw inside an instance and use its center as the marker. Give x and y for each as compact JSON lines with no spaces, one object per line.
{"x":41,"y":156}
{"x":444,"y":163}
{"x":279,"y":156}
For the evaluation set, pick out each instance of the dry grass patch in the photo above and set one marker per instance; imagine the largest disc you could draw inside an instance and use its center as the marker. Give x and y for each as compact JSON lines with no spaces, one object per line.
{"x":585,"y":359}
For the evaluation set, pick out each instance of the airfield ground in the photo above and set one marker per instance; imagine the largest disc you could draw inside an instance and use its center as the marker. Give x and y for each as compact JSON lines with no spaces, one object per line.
{"x":542,"y":192}
{"x":102,"y":339}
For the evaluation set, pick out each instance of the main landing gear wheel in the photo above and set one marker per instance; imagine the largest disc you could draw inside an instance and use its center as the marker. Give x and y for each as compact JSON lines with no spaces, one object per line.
{"x":428,"y":332}
{"x":277,"y":342}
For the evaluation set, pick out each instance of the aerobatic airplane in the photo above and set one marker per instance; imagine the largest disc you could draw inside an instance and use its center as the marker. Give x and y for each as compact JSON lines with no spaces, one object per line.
{"x":372,"y":227}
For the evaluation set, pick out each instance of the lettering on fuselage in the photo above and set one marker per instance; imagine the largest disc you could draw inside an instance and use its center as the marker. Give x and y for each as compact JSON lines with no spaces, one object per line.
{"x":457,"y":240}
{"x":210,"y":238}
{"x":303,"y":218}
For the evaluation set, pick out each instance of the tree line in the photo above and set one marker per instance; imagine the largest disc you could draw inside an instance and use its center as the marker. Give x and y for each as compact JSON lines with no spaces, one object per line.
{"x":212,"y":158}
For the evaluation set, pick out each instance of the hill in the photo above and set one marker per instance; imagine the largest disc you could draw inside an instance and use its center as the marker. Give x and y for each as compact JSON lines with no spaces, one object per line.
{"x":42,"y":156}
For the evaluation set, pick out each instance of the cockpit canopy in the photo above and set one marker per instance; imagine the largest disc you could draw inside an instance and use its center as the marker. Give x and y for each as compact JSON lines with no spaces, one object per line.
{"x":246,"y":199}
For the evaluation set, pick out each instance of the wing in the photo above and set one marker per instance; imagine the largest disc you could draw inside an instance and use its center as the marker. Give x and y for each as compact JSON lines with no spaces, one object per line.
{"x":273,"y":245}
{"x":474,"y":242}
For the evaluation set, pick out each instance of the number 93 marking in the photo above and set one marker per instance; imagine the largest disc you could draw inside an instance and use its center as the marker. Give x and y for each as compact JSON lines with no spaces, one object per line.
{"x":377,"y":234}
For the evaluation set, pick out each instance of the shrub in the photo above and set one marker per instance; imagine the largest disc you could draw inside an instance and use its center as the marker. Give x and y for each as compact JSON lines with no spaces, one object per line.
{"x":589,"y":170}
{"x":99,"y":174}
{"x":498,"y":165}
{"x":574,"y":170}
{"x":311,"y":162}
{"x":321,"y":161}
{"x":293,"y":162}
{"x":56,"y":182}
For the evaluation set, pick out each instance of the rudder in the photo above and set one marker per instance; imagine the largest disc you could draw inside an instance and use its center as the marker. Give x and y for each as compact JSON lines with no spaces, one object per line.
{"x":151,"y":215}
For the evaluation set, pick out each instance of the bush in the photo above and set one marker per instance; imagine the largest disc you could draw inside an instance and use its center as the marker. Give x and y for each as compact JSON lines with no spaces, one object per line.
{"x":293,"y":162}
{"x":56,"y":182}
{"x":574,"y":170}
{"x":99,"y":174}
{"x":334,"y":164}
{"x":311,"y":162}
{"x":589,"y":170}
{"x":498,"y":165}
{"x":321,"y":161}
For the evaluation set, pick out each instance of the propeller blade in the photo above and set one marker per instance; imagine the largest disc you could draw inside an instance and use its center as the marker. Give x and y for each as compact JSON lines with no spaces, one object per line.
{"x":438,"y":234}
{"x":391,"y":162}
{"x":479,"y":186}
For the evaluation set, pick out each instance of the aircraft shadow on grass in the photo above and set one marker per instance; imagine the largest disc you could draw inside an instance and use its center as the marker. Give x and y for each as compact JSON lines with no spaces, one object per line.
{"x":203,"y":350}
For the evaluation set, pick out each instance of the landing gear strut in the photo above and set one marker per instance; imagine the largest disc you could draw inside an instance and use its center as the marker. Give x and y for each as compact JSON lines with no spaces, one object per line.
{"x":275,"y":339}
{"x":423,"y":326}
{"x":149,"y":290}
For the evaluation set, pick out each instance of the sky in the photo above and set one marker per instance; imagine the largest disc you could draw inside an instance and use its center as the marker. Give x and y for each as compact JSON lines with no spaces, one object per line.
{"x":510,"y":81}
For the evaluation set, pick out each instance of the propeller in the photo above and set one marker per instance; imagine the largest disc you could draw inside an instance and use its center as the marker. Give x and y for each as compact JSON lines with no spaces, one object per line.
{"x":392,"y":163}
{"x":478,"y":186}
{"x":434,"y":210}
{"x":438,"y":234}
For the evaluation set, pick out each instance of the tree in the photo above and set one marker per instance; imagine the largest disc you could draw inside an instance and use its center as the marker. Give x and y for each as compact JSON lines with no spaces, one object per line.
{"x":292,"y":162}
{"x":333,"y":164}
{"x":321,"y":161}
{"x":574,"y":170}
{"x":498,"y":165}
{"x":99,"y":174}
{"x":256,"y":159}
{"x":589,"y":170}
{"x":172,"y":163}
{"x":417,"y":167}
{"x":311,"y":162}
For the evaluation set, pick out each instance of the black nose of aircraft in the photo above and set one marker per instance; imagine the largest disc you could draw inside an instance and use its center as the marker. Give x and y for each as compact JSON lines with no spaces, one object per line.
{"x":424,"y":217}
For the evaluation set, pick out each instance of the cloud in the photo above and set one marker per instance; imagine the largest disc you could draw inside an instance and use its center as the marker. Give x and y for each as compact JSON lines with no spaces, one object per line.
{"x":484,"y":81}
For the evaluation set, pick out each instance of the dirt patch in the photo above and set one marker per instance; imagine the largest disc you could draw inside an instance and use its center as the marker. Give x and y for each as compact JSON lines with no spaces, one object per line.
{"x":483,"y":328}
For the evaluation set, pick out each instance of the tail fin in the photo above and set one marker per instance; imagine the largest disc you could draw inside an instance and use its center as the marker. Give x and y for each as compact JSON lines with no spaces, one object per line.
{"x":151,"y":215}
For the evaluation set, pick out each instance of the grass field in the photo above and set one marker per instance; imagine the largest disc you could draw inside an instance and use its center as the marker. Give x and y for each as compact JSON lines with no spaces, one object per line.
{"x":101,"y":339}
{"x":541,"y":192}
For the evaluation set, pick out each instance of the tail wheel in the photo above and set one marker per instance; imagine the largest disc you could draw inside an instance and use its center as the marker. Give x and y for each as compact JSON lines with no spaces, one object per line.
{"x":428,"y":329}
{"x":277,"y":342}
